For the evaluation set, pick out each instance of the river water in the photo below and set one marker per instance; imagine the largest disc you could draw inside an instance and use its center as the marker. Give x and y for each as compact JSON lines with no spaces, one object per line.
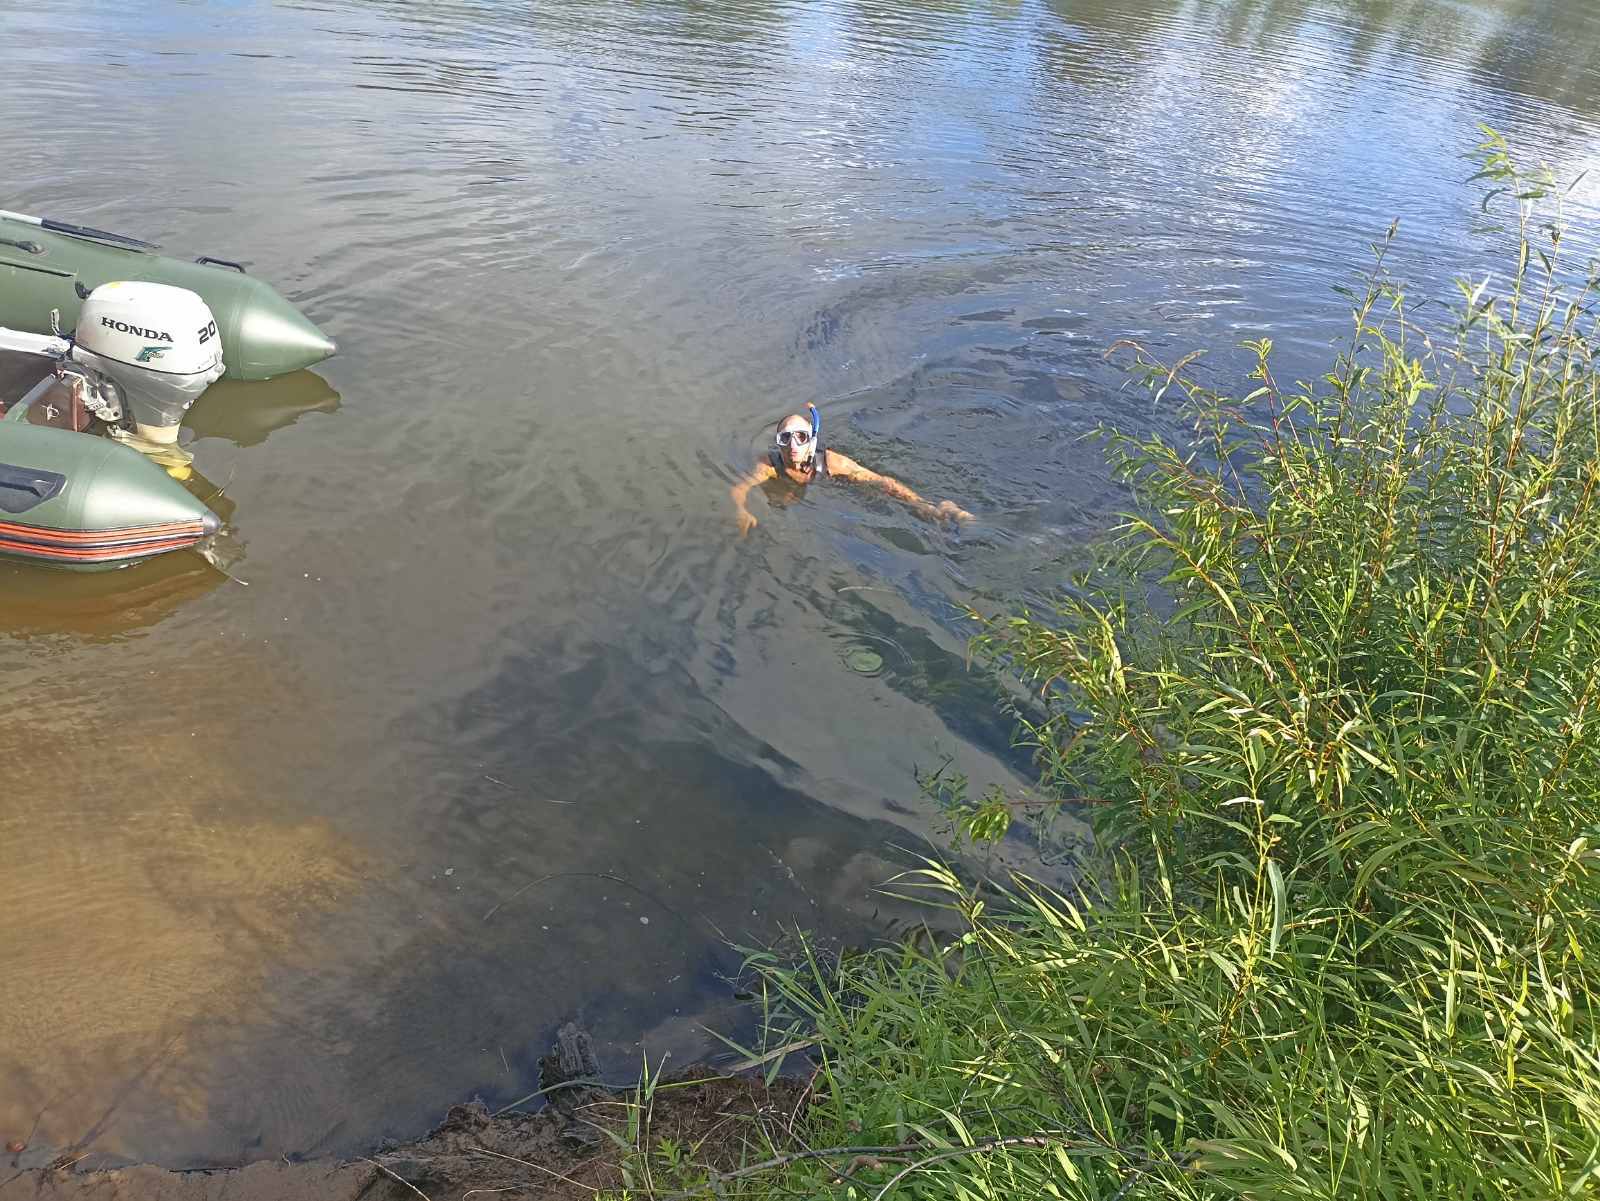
{"x":496,"y":721}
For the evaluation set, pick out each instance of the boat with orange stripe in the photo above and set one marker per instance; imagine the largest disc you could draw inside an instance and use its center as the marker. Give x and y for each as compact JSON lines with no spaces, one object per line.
{"x":102,"y":547}
{"x":86,"y":503}
{"x":74,"y":493}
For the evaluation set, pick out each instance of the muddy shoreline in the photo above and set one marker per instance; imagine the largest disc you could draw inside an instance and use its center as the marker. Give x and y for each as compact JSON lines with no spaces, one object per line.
{"x":558,"y":1153}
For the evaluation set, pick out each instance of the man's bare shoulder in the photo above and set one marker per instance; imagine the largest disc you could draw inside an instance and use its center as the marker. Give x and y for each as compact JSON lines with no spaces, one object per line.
{"x":843,"y":465}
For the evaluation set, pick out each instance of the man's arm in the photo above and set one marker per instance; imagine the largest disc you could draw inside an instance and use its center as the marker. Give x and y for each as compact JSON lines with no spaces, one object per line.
{"x":847,"y":468}
{"x":754,"y":478}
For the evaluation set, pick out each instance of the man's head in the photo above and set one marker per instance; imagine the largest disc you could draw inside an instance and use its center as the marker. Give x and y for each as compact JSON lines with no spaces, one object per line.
{"x":795,"y":441}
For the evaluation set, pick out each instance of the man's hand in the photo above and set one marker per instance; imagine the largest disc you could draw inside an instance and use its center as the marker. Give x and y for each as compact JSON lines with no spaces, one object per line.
{"x":754,"y":478}
{"x":949,"y":510}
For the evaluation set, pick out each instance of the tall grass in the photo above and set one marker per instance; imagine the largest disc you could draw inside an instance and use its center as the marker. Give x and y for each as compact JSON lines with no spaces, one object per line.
{"x":1331,"y":695}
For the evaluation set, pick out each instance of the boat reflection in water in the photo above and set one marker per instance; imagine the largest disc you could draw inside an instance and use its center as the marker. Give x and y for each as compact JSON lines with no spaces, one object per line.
{"x":246,"y":413}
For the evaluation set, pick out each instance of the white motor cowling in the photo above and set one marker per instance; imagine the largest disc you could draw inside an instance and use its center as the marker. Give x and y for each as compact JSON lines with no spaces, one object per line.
{"x":159,"y":346}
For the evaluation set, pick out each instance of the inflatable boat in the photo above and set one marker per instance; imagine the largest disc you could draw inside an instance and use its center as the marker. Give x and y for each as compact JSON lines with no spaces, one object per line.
{"x":49,"y":266}
{"x":146,"y":336}
{"x":72,"y":500}
{"x":71,"y":494}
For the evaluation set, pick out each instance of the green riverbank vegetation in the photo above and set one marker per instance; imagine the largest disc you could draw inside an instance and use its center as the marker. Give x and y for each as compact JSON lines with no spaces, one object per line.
{"x":1330,"y":693}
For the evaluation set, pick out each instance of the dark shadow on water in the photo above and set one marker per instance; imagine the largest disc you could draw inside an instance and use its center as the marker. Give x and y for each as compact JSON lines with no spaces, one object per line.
{"x":967,"y":701}
{"x":582,"y":838}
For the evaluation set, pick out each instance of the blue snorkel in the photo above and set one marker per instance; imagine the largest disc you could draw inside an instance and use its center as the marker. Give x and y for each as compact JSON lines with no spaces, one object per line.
{"x":816,"y":436}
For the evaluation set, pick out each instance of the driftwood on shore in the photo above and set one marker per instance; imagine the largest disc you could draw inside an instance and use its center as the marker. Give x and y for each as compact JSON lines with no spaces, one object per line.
{"x":570,"y":1078}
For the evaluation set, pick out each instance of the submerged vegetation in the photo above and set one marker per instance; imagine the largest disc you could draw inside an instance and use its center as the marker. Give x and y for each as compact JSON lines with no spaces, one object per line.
{"x":1330,"y":694}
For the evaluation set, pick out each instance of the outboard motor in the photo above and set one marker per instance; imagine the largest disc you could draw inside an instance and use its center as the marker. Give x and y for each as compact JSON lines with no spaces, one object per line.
{"x":158,"y":347}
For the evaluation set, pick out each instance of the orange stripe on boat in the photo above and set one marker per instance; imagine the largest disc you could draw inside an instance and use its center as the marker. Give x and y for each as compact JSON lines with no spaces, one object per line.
{"x":92,"y":554}
{"x":130,"y":533}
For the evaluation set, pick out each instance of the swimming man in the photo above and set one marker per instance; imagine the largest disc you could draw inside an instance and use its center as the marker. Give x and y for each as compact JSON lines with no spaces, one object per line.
{"x":799,"y":459}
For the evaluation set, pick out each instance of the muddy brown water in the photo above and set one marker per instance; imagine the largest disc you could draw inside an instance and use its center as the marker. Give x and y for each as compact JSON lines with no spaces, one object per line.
{"x":490,"y":641}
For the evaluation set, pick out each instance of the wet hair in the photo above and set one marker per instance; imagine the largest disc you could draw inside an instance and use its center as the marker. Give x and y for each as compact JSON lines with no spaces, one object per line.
{"x":792,"y":417}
